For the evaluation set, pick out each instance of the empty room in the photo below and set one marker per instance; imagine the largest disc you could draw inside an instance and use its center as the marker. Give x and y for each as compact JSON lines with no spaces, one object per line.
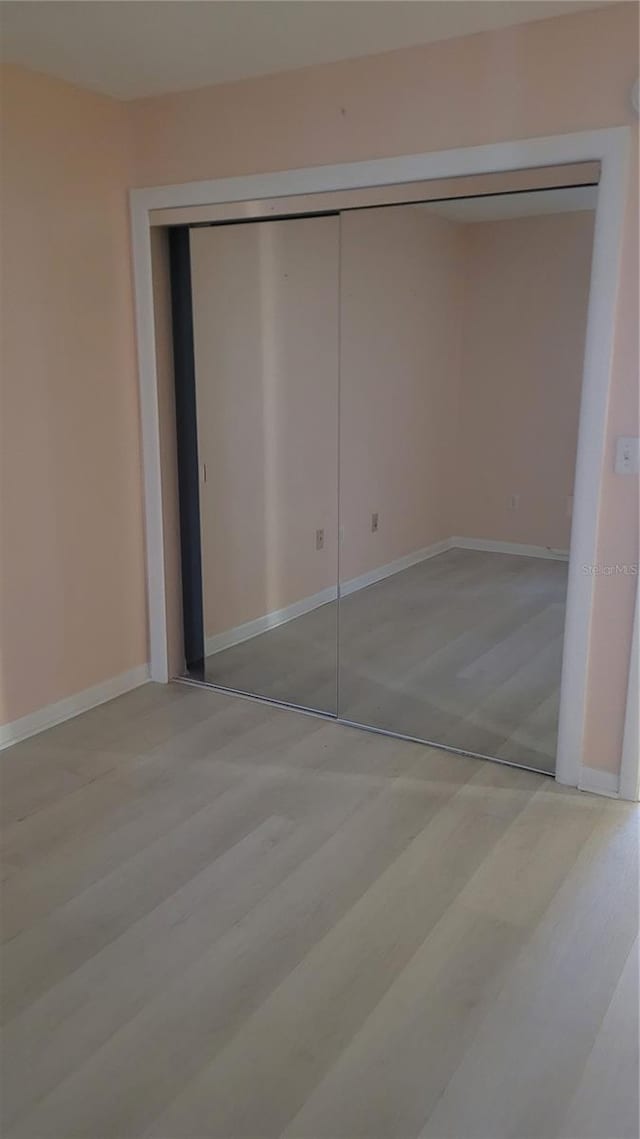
{"x":319,"y":684}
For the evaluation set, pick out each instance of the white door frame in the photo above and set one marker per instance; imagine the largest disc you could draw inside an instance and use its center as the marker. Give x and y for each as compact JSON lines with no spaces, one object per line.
{"x":629,"y":784}
{"x":611,"y":148}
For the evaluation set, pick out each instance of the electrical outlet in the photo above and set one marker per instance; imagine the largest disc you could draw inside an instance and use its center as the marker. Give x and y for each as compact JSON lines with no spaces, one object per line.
{"x":374,"y":522}
{"x":319,"y":539}
{"x":514,"y":502}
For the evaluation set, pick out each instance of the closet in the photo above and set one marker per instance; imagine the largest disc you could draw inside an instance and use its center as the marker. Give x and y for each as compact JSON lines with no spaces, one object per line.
{"x":266,"y":368}
{"x":369,"y":530}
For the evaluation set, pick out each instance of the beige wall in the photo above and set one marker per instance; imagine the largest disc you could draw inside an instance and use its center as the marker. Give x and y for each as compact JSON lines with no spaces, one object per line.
{"x":566,"y":74}
{"x":523,"y":329}
{"x":265,"y":316}
{"x":266,"y":303}
{"x":461,"y":351}
{"x":69,"y":166}
{"x":461,"y":367}
{"x":401,"y":287}
{"x":72,"y":595}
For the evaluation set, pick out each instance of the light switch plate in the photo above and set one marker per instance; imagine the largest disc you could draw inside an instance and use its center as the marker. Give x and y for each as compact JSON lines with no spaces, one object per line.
{"x":627,"y":455}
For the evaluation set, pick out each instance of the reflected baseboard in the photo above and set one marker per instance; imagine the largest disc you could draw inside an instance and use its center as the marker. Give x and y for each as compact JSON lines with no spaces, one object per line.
{"x":388,"y":570}
{"x":518,"y":548}
{"x":226,"y":639}
{"x":217,"y":642}
{"x":239,"y":633}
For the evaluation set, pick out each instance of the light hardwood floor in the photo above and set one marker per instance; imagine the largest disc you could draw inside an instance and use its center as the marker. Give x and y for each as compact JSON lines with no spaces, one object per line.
{"x":225,"y":919}
{"x":463,"y":650}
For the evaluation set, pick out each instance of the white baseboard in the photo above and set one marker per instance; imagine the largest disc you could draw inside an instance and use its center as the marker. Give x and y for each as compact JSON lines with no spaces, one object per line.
{"x":380,"y":572}
{"x":599,"y":782}
{"x":54,"y":714}
{"x":239,"y":633}
{"x":493,"y":547}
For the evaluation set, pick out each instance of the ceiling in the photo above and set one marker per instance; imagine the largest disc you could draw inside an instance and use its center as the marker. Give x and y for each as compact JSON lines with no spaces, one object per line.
{"x":498,"y":207}
{"x":128,"y":49}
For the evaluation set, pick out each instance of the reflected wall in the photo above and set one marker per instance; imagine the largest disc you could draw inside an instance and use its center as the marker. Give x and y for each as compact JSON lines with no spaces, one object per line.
{"x":387,"y":411}
{"x":265,"y":320}
{"x":461,"y":367}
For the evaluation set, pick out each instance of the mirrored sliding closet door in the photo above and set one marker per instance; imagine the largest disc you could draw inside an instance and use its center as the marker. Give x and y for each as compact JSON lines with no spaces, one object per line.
{"x":265,"y":330}
{"x":462,"y":342}
{"x":377,"y":413}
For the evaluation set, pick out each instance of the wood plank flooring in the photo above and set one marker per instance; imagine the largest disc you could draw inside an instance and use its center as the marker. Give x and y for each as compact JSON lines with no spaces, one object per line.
{"x":224,"y":919}
{"x":464,"y":650}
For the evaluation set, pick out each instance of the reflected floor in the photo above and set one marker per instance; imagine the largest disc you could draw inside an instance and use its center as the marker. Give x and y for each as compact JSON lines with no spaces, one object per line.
{"x":295,"y":662}
{"x":464,"y":650}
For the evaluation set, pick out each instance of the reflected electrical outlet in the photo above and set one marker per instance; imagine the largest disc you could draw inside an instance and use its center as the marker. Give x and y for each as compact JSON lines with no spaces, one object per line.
{"x":319,"y":539}
{"x":374,"y":522}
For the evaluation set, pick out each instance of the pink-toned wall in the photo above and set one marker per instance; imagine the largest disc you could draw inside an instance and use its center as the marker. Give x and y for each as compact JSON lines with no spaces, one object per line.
{"x":554,"y":76}
{"x":461,"y":351}
{"x":566,"y":74}
{"x":265,"y":317}
{"x":401,"y":288}
{"x":72,"y":593}
{"x":266,"y":305}
{"x":523,"y":325}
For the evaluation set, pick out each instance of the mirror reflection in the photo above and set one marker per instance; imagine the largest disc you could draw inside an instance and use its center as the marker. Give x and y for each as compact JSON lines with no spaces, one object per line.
{"x":265,"y":329}
{"x":387,"y":416}
{"x":463,"y":326}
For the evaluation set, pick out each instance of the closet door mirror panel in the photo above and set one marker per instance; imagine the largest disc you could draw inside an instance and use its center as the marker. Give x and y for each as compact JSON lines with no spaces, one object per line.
{"x":400,"y":283}
{"x":462,"y":345}
{"x":265,"y":320}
